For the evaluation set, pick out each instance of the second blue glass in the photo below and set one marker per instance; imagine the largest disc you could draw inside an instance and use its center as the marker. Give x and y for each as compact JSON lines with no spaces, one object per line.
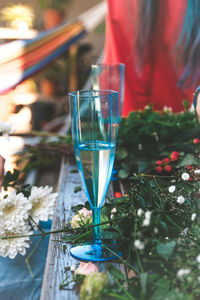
{"x":94,"y":132}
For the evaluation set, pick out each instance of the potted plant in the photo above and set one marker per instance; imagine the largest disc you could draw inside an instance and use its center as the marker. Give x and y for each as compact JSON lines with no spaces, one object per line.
{"x":53,"y":11}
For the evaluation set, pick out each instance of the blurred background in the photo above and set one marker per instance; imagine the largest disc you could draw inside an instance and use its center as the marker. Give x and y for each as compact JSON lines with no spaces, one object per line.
{"x":42,"y":98}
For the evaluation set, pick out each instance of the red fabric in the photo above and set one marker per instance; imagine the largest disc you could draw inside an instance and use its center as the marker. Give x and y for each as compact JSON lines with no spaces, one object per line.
{"x":157,"y":84}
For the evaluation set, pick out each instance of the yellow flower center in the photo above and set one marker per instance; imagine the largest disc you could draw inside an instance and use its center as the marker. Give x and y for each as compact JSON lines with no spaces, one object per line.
{"x":8,"y":209}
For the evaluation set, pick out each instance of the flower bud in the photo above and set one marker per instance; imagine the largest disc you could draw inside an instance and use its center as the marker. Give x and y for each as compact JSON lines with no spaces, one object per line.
{"x":93,"y":286}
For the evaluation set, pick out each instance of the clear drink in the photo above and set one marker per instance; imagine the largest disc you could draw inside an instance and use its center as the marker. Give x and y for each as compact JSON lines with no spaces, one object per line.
{"x":95,"y":166}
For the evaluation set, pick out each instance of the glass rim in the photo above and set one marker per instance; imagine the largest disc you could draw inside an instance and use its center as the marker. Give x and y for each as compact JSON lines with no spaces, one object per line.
{"x":108,"y":65}
{"x":91,"y":93}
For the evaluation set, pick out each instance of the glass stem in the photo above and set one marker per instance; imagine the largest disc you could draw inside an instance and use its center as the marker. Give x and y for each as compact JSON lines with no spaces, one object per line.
{"x":96,"y":217}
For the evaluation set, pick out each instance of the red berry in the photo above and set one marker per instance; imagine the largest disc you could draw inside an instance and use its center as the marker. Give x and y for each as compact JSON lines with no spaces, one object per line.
{"x":168,"y":168}
{"x":196,"y":141}
{"x":159,"y":162}
{"x":190,"y":179}
{"x":174,"y":155}
{"x":189,"y":167}
{"x":166,"y":160}
{"x":159,"y":169}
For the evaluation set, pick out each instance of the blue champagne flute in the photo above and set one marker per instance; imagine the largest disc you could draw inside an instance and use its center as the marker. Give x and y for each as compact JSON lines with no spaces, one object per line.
{"x":94,"y":118}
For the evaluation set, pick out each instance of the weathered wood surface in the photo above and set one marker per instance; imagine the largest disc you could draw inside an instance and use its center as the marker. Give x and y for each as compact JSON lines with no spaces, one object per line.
{"x":57,"y":259}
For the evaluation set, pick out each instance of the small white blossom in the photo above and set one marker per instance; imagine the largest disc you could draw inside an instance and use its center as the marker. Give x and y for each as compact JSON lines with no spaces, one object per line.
{"x":42,"y":200}
{"x":148,"y":215}
{"x":197,"y":171}
{"x":198,"y":258}
{"x":155,"y":230}
{"x":146,"y":222}
{"x":139,"y":245}
{"x":147,"y":219}
{"x":185,"y":176}
{"x":14,"y":212}
{"x":180,"y":199}
{"x":167,"y":109}
{"x":182,"y":272}
{"x":112,"y":216}
{"x":114,"y":210}
{"x":172,"y":188}
{"x":139,"y":212}
{"x":193,"y":216}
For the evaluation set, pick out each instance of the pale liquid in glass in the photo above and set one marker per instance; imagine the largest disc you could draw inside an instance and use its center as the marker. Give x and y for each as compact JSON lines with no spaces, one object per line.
{"x":95,"y":162}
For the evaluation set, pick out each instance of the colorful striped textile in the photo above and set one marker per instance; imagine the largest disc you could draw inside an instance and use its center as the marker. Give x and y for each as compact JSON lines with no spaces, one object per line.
{"x":23,"y":58}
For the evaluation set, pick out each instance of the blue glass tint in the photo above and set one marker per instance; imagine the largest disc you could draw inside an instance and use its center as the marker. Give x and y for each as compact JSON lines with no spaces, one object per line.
{"x":94,"y":115}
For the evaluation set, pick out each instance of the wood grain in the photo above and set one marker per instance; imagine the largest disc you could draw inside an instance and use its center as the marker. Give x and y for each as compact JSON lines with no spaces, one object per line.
{"x":57,"y":259}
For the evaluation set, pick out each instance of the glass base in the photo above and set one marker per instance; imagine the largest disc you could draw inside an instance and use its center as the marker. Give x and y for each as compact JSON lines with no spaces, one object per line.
{"x":94,"y":252}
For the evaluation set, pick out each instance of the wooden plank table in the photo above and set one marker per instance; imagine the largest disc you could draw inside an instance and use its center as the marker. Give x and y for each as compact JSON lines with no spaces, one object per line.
{"x":57,"y":259}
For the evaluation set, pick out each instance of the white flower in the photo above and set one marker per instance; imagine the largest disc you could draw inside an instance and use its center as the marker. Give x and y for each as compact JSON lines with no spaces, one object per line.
{"x":198,"y":258}
{"x":42,"y":200}
{"x":172,"y":188}
{"x":197,"y":171}
{"x":185,"y":176}
{"x":14,"y":212}
{"x":155,"y":230}
{"x":148,"y":215}
{"x":112,"y":216}
{"x":180,"y":199}
{"x":182,"y":272}
{"x":114,"y":210}
{"x":12,"y":246}
{"x":167,"y":109}
{"x":193,"y":217}
{"x":139,"y":212}
{"x":139,"y":245}
{"x":6,"y":129}
{"x":146,"y":222}
{"x":147,"y":219}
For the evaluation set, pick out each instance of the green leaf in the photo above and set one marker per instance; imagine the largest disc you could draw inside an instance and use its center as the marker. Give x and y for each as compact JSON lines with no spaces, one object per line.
{"x":117,"y":274}
{"x":10,"y":178}
{"x":77,"y":189}
{"x":143,"y":281}
{"x":123,"y":174}
{"x":121,"y":153}
{"x":189,"y":159}
{"x":165,"y":250}
{"x":142,"y":165}
{"x":163,"y":226}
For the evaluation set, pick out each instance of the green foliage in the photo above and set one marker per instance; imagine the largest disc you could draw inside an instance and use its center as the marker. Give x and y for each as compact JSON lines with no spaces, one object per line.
{"x":156,"y":225}
{"x":147,"y":136}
